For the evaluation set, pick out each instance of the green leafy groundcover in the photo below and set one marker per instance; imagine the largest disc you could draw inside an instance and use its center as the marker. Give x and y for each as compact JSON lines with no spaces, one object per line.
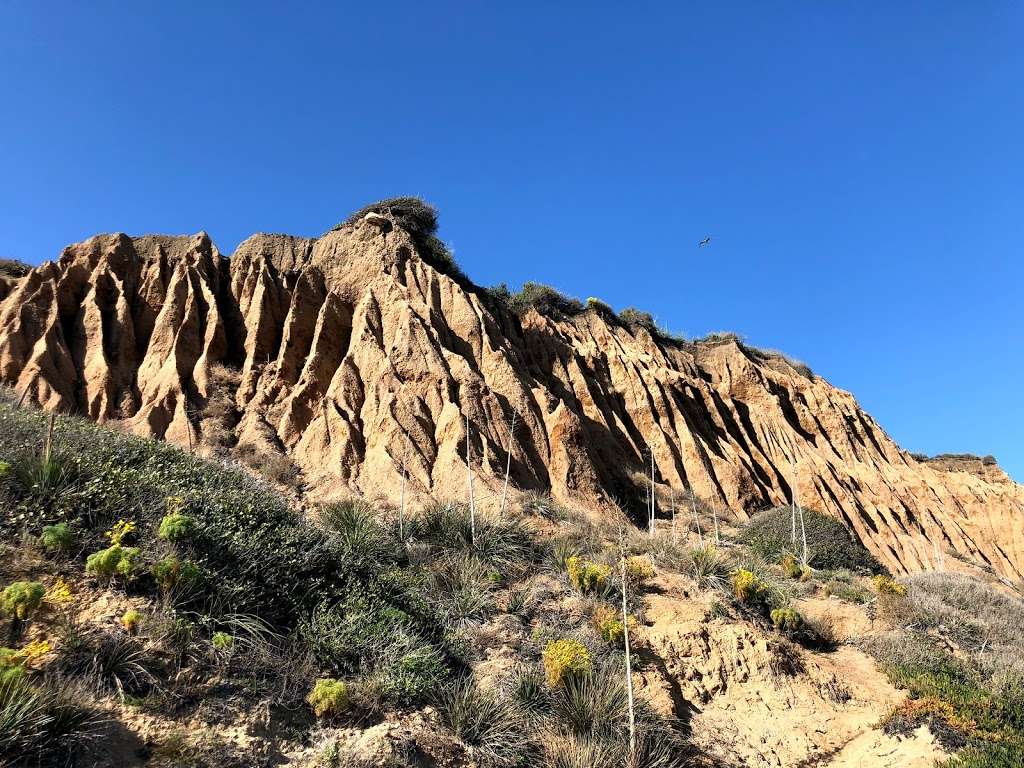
{"x":264,"y":558}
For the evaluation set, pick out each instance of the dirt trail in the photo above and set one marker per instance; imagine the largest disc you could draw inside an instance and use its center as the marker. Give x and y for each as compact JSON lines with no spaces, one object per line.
{"x":750,"y":701}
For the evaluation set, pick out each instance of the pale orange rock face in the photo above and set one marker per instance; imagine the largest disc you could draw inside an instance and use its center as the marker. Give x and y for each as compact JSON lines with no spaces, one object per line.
{"x":355,"y":356}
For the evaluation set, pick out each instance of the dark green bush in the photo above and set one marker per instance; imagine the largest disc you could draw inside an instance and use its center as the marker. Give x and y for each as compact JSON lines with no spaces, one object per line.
{"x":830,"y":546}
{"x":172,"y":572}
{"x":413,"y":214}
{"x":634,"y":318}
{"x":366,"y":634}
{"x":14,"y":268}
{"x":545,"y":299}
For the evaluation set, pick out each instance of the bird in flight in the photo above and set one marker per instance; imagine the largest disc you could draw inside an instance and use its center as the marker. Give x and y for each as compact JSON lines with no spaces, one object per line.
{"x":705,"y":241}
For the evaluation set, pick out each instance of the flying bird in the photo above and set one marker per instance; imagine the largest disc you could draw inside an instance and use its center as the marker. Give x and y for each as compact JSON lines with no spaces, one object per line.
{"x":705,"y":241}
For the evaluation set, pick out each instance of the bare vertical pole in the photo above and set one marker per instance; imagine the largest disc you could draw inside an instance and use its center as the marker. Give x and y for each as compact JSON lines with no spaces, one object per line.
{"x":714,"y":513}
{"x":625,"y":637}
{"x":469,"y":484}
{"x":401,"y":507}
{"x":803,"y":535}
{"x":792,"y":512}
{"x":672,"y":496}
{"x":653,"y":509}
{"x":508,"y":465}
{"x":48,"y":448}
{"x":800,"y":511}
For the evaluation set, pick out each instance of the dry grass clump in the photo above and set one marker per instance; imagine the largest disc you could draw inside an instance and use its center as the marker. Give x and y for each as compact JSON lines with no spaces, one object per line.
{"x":274,"y":466}
{"x":971,"y":613}
{"x":220,"y":415}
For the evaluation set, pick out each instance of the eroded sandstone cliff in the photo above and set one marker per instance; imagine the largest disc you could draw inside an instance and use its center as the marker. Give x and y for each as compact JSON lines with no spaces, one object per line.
{"x":354,"y":357}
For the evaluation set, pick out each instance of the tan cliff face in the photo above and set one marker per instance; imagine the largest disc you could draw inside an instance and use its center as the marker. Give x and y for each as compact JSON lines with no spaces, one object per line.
{"x":355,"y":357}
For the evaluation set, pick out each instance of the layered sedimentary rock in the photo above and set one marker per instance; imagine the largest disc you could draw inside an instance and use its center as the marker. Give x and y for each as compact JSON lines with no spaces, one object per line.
{"x":355,"y":358}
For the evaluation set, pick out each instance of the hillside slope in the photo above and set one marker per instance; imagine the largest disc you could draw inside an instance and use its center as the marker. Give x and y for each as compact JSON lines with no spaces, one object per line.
{"x":354,"y":356}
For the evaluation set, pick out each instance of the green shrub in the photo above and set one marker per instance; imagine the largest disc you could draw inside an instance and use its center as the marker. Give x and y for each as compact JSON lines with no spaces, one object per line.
{"x":885,"y":585}
{"x":529,"y":692}
{"x":40,"y":483}
{"x":14,"y":268}
{"x":639,"y":571}
{"x":748,"y":588}
{"x":542,"y":505}
{"x":251,"y":537}
{"x":12,"y":665}
{"x":57,"y":538}
{"x":366,"y":635}
{"x":113,"y":663}
{"x":608,"y":623}
{"x":21,"y":599}
{"x":413,"y":214}
{"x":113,"y":561}
{"x":851,"y":593}
{"x":222,"y":641}
{"x":130,"y":620}
{"x":565,"y":659}
{"x":829,"y":544}
{"x":786,"y":619}
{"x":176,"y":527}
{"x":634,"y":318}
{"x":586,"y":576}
{"x":329,"y":697}
{"x":171,"y":572}
{"x":791,"y":566}
{"x":364,"y":543}
{"x":545,"y":300}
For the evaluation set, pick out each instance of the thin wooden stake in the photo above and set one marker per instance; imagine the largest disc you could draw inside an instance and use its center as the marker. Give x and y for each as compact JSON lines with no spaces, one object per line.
{"x":714,"y":514}
{"x":469,"y":483}
{"x":792,"y":515}
{"x":508,"y":466}
{"x":625,"y":637}
{"x":48,"y":448}
{"x":401,"y":507}
{"x":803,"y":535}
{"x":653,"y":502}
{"x":672,"y":496}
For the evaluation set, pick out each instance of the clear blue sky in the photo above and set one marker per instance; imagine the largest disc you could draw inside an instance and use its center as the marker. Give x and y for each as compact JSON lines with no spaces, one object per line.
{"x":860,"y":167}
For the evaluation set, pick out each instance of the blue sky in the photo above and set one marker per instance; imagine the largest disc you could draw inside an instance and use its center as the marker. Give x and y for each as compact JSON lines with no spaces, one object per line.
{"x":859,"y":166}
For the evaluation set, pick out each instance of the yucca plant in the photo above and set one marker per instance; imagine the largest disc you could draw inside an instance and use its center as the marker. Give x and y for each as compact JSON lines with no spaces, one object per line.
{"x":484,"y":720}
